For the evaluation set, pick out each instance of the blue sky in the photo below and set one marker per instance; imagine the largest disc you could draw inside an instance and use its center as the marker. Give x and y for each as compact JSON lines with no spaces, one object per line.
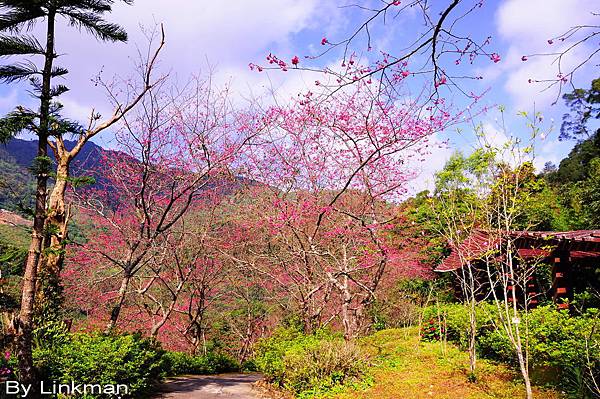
{"x":232,"y":34}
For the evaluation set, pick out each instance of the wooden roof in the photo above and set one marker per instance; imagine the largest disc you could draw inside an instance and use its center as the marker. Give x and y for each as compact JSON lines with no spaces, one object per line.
{"x":581,"y":244}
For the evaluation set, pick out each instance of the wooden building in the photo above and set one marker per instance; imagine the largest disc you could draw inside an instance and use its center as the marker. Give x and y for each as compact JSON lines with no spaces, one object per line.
{"x":574,"y":258}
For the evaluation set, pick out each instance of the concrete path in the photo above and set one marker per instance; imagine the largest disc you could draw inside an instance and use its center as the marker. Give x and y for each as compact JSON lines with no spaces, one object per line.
{"x":232,"y":386}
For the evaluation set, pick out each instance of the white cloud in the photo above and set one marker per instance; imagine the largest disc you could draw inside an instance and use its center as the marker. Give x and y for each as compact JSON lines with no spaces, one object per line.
{"x":434,"y":162}
{"x":492,"y":137}
{"x":535,"y":21}
{"x":527,"y":26}
{"x":551,"y":150}
{"x":228,"y":35}
{"x":9,"y":101}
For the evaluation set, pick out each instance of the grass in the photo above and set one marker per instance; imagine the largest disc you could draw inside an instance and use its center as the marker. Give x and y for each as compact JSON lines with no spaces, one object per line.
{"x":403,"y":367}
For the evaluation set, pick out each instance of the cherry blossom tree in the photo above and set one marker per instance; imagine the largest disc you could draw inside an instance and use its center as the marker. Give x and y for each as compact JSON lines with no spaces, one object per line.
{"x":171,"y":154}
{"x":328,"y":168}
{"x":180,"y":288}
{"x":124,"y":98}
{"x":434,"y":50}
{"x":296,"y":200}
{"x":578,"y":38}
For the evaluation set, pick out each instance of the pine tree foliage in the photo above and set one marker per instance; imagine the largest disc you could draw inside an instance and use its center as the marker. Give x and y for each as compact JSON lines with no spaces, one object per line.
{"x":17,"y":18}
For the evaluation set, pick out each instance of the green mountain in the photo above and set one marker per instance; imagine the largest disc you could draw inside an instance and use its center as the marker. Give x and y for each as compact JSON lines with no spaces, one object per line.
{"x":17,"y":184}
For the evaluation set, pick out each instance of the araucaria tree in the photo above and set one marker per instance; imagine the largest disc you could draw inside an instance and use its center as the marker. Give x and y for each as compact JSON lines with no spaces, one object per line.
{"x":18,"y":16}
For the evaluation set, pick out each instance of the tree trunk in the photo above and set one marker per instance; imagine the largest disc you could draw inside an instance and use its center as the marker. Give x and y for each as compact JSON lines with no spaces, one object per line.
{"x":525,"y":373}
{"x":472,"y":335}
{"x":25,"y":321}
{"x":157,"y":326}
{"x":348,"y":333}
{"x":114,"y":314}
{"x":347,"y":317}
{"x":307,"y":318}
{"x":472,"y":341}
{"x":204,"y":346}
{"x":51,"y":262}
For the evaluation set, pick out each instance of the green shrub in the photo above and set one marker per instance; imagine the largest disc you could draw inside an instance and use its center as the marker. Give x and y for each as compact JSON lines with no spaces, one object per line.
{"x":455,"y":318}
{"x":309,"y":364}
{"x":491,"y":342}
{"x":178,"y":363}
{"x":494,"y":344}
{"x":570,"y":344}
{"x":555,"y":339}
{"x":222,"y":362}
{"x":97,"y":359}
{"x":248,"y":365}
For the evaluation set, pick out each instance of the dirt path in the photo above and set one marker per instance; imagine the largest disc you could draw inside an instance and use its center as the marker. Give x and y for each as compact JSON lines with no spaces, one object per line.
{"x":233,"y":386}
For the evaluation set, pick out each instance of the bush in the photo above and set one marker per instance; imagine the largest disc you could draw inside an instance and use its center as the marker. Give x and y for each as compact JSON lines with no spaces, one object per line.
{"x":402,"y":304}
{"x":432,"y":330}
{"x":178,"y":363}
{"x":309,"y":364}
{"x":455,"y":318}
{"x":126,"y":359}
{"x":556,"y":340}
{"x":495,"y":345}
{"x":568,"y":344}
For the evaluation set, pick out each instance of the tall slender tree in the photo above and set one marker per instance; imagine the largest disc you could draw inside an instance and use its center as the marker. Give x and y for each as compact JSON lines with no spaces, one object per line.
{"x":57,"y":215}
{"x":17,"y":19}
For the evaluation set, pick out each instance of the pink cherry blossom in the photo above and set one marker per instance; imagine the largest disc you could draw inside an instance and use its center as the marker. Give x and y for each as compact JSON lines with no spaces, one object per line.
{"x":441,"y":82}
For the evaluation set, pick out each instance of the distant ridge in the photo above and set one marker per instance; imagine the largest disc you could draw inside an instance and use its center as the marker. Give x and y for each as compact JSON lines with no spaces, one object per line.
{"x":22,"y":152}
{"x":17,"y":184}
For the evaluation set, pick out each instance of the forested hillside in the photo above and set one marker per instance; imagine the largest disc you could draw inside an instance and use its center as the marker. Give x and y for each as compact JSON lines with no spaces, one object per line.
{"x":576,"y":181}
{"x":17,"y":180}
